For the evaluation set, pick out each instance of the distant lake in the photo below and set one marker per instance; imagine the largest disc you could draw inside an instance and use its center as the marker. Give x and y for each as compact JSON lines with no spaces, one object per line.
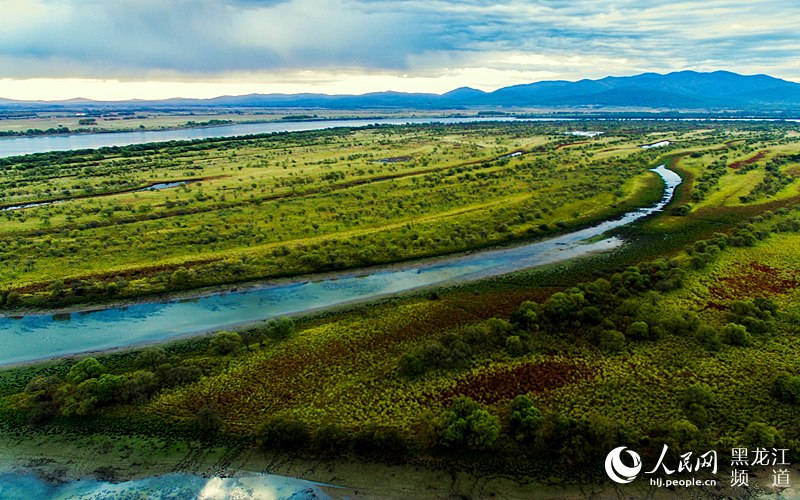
{"x":14,"y":146}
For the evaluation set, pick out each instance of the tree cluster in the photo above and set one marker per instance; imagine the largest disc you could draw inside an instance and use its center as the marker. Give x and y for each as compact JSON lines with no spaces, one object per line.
{"x":88,"y":385}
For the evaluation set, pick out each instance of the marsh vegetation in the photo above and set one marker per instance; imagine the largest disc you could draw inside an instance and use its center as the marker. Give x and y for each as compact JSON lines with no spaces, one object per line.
{"x":687,"y":337}
{"x":290,"y":204}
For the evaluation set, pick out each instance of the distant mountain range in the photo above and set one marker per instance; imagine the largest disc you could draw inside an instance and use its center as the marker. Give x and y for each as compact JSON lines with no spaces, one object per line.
{"x":683,"y":90}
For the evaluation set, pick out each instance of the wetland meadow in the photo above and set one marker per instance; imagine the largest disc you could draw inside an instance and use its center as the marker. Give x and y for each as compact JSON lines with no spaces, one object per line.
{"x":490,"y":305}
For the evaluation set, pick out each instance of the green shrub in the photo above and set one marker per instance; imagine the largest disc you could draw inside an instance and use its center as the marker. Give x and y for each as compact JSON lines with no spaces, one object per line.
{"x":375,"y":440}
{"x":787,"y":388}
{"x":611,"y":341}
{"x":225,"y":343}
{"x":466,"y":424}
{"x":638,"y":330}
{"x":524,"y":420}
{"x":709,"y":338}
{"x":85,"y":369}
{"x":209,"y":422}
{"x":761,"y":435}
{"x":737,"y":335}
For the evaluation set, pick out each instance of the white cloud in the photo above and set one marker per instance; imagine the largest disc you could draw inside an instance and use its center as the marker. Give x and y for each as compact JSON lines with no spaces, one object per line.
{"x":333,"y":45}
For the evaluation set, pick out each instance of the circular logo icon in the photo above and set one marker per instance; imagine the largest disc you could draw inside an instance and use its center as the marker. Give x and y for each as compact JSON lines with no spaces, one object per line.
{"x":618,"y":471}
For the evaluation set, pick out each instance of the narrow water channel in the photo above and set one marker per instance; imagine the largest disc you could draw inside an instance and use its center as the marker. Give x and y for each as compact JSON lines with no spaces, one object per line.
{"x":39,"y":336}
{"x":158,"y":186}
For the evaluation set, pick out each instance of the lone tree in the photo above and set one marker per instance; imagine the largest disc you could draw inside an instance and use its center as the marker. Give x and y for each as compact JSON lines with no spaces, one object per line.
{"x":468,"y":424}
{"x":225,"y":343}
{"x":209,"y":422}
{"x":280,"y":328}
{"x":525,"y":419}
{"x":84,"y":370}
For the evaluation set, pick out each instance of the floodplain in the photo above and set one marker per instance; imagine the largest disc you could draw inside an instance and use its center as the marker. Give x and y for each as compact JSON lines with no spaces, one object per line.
{"x":685,"y":336}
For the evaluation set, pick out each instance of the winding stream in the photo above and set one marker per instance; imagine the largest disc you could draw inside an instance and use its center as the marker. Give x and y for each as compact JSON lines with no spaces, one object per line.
{"x":40,"y":336}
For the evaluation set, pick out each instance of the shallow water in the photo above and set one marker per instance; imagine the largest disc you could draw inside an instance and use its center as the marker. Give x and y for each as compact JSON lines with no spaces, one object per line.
{"x":21,"y":485}
{"x":164,"y":185}
{"x":153,"y":187}
{"x":39,"y":336}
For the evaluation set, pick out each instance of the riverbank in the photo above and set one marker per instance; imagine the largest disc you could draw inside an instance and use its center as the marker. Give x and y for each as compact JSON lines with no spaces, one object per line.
{"x":649,"y":191}
{"x":59,"y":459}
{"x":66,"y":461}
{"x":348,"y":366}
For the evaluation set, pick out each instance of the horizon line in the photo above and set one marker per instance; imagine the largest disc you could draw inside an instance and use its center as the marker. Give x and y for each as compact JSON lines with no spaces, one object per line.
{"x":79,"y":99}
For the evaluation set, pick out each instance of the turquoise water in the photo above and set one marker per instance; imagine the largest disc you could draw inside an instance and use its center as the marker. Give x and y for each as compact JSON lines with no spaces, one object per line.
{"x":40,"y":336}
{"x":25,"y":486}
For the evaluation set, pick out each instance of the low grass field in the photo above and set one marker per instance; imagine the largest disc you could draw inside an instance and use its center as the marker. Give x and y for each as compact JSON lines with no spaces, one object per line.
{"x":289,"y":204}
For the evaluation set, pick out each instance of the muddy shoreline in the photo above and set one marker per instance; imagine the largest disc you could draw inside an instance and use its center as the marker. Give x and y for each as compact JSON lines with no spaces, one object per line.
{"x":60,"y":458}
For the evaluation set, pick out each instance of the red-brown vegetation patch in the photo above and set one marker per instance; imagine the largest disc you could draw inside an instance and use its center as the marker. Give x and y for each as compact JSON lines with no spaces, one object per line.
{"x":499,"y":304}
{"x":269,"y":383}
{"x":537,"y":378}
{"x":759,"y":156}
{"x":753,"y":280}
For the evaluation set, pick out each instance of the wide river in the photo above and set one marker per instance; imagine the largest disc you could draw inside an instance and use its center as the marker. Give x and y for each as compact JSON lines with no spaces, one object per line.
{"x":14,"y":146}
{"x":39,"y":336}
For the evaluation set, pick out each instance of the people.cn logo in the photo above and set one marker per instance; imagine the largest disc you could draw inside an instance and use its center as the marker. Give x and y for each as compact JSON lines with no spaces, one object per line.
{"x":618,"y":471}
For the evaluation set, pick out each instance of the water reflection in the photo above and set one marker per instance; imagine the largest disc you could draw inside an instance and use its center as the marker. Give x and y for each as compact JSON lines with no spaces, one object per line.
{"x":24,"y":486}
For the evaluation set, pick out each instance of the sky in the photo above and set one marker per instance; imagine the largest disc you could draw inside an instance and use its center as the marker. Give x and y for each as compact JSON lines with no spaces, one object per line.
{"x":156,"y":49}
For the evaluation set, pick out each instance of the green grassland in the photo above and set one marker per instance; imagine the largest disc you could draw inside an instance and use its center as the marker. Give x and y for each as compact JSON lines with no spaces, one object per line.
{"x":115,"y":121}
{"x":687,"y":336}
{"x":112,"y":122}
{"x":81,"y":120}
{"x":290,"y":204}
